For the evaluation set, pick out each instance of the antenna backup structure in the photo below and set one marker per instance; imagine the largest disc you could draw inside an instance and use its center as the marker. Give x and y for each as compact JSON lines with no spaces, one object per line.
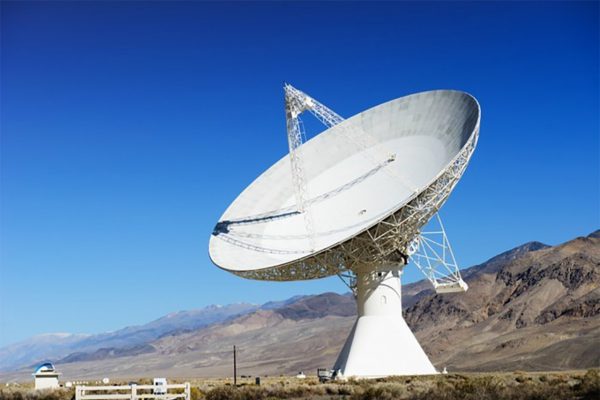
{"x":352,"y":202}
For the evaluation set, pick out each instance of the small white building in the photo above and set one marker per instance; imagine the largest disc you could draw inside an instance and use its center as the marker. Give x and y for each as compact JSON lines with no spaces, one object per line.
{"x":46,"y":377}
{"x":160,"y":386}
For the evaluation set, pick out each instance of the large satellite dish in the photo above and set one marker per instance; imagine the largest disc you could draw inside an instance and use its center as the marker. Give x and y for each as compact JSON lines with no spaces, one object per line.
{"x":352,"y":201}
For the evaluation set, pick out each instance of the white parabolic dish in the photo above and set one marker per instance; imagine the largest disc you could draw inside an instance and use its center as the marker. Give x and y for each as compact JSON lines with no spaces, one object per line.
{"x":372,"y":182}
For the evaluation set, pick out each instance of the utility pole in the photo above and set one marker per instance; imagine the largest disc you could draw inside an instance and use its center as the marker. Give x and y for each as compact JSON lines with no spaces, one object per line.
{"x":234,"y":368}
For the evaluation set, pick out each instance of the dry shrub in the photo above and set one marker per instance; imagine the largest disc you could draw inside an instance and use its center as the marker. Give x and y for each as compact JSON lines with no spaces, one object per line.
{"x":196,"y":393}
{"x":224,"y":393}
{"x":379,"y":391}
{"x":259,"y":393}
{"x":345,"y":390}
{"x":558,"y":380}
{"x":486,"y":387}
{"x":294,"y":391}
{"x":563,"y":386}
{"x":589,"y":387}
{"x":233,"y":393}
{"x":533,"y":391}
{"x":335,"y":390}
{"x":520,"y":379}
{"x":20,"y":394}
{"x":446,"y":389}
{"x":492,"y":388}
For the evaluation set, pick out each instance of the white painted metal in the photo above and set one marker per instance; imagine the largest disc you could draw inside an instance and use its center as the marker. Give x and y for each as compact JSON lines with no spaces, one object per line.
{"x":363,"y":213}
{"x":133,"y":392}
{"x":46,"y":380}
{"x":353,"y":204}
{"x":327,"y":116}
{"x":381,"y":343}
{"x":296,"y":102}
{"x":431,"y":252}
{"x":293,"y":108}
{"x":160,"y":385}
{"x":46,"y":377}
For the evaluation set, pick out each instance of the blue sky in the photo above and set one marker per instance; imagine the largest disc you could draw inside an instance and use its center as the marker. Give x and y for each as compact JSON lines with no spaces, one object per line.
{"x":127,"y":128}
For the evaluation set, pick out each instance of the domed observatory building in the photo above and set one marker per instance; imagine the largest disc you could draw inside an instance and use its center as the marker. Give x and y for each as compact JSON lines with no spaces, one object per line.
{"x":46,"y":377}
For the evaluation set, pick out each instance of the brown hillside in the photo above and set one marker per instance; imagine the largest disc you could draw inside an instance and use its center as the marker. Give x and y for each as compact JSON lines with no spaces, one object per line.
{"x":538,"y":310}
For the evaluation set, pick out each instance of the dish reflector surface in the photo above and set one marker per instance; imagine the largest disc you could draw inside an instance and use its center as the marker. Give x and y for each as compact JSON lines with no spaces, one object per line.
{"x":376,"y":165}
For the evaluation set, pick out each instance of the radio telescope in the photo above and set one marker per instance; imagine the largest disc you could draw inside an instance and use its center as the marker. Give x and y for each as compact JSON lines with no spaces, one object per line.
{"x":353,"y":201}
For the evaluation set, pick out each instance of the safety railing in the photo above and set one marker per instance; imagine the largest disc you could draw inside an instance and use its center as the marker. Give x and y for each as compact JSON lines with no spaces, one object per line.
{"x":134,"y":392}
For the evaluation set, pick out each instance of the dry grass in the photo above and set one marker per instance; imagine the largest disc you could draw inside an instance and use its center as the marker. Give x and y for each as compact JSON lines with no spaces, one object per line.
{"x":576,"y":385}
{"x":519,"y":386}
{"x":15,"y":393}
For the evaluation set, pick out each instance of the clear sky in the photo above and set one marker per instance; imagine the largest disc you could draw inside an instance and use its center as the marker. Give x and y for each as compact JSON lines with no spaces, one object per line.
{"x":127,"y":129}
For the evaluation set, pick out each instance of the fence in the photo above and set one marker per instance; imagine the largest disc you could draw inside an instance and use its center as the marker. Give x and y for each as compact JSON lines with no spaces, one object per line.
{"x":133,"y":392}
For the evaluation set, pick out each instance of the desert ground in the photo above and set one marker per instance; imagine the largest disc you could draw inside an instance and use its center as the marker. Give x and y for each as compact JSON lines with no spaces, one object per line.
{"x":520,"y":385}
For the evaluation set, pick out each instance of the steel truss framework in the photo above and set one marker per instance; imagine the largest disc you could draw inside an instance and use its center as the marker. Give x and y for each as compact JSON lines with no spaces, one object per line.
{"x":431,"y":252}
{"x":388,"y":241}
{"x":296,"y":102}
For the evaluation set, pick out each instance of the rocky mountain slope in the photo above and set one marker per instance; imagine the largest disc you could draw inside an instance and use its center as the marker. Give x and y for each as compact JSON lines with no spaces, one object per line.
{"x":535,"y":307}
{"x":130,"y":340}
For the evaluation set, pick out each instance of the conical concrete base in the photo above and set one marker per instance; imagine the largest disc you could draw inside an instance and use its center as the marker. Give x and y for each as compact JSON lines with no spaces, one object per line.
{"x":381,"y":343}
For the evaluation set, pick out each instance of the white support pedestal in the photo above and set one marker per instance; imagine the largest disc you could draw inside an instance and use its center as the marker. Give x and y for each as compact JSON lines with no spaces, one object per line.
{"x":381,"y":343}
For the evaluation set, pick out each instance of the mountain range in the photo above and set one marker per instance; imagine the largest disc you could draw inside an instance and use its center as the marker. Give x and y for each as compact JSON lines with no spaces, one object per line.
{"x":535,"y":307}
{"x":55,"y":346}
